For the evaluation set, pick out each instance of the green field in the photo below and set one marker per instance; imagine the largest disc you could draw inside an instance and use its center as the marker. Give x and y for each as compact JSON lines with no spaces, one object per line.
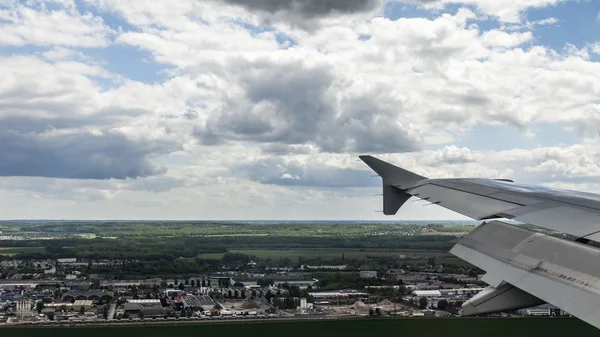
{"x":9,"y":251}
{"x":331,"y":253}
{"x":476,"y":327}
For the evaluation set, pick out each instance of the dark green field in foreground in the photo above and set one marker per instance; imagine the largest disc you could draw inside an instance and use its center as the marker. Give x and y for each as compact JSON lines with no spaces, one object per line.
{"x":476,"y":327}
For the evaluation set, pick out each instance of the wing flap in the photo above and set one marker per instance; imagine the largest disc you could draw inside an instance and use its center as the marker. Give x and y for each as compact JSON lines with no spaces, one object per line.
{"x":562,"y":218}
{"x":497,"y":299}
{"x":560,"y":272}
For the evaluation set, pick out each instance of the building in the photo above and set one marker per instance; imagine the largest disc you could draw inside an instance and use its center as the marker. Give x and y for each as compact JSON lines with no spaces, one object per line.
{"x":174,"y":292}
{"x":340,"y":267}
{"x":197,"y":302}
{"x":146,"y":309}
{"x":86,"y":304}
{"x":426,"y":293}
{"x":338,"y":294}
{"x":221,"y":282}
{"x":129,"y":283}
{"x":93,"y":295}
{"x":17,"y":286}
{"x":301,"y":284}
{"x":78,"y":285}
{"x":368,"y":273}
{"x":446,"y":292}
{"x":75,"y":306}
{"x":304,"y":305}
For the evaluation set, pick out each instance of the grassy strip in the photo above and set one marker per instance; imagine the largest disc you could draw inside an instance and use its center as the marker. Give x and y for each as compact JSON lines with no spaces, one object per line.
{"x":476,"y":327}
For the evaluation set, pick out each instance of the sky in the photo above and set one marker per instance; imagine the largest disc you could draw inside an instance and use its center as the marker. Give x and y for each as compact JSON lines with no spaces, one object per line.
{"x":234,"y":109}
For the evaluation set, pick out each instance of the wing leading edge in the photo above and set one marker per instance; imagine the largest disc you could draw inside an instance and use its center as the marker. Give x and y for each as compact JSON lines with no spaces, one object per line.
{"x":570,"y":212}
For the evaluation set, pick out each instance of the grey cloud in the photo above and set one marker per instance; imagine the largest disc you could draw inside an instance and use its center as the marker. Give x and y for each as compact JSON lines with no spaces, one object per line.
{"x":79,"y":155}
{"x":368,"y":124}
{"x":24,"y":124}
{"x":284,"y":149}
{"x":156,"y":184}
{"x":473,"y":98}
{"x":275,"y":171}
{"x":294,"y":102}
{"x":308,"y":8}
{"x":589,"y":124}
{"x":188,"y":114}
{"x":297,"y":104}
{"x":191,"y":114}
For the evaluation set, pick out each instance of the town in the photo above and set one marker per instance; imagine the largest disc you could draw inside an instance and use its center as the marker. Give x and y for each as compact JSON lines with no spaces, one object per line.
{"x":68,"y":290}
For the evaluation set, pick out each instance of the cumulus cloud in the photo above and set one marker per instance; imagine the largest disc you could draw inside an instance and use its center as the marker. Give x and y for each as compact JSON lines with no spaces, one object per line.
{"x":79,"y":155}
{"x":309,"y":8}
{"x":308,"y":14}
{"x":497,"y":38}
{"x":54,"y":122}
{"x":596,"y":48}
{"x":312,"y":174}
{"x":31,"y":22}
{"x":506,"y":10}
{"x":296,"y":103}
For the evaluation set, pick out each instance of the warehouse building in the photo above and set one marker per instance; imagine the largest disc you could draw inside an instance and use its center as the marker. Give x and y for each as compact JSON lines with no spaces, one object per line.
{"x":446,"y":292}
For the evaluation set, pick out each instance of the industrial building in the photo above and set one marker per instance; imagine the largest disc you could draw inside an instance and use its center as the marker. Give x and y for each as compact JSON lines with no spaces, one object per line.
{"x":446,"y":292}
{"x":368,"y":273}
{"x":197,"y":302}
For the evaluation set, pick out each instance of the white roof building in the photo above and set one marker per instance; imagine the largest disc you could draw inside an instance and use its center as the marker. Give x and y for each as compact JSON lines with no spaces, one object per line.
{"x":426,"y":293}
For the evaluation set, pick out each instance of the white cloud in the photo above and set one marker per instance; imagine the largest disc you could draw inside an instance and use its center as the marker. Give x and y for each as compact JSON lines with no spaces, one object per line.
{"x":23,"y":24}
{"x":506,"y":10}
{"x":495,"y":38}
{"x":596,"y":48}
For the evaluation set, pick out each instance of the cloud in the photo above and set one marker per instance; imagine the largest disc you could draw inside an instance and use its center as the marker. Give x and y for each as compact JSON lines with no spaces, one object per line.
{"x":497,"y":38}
{"x":277,"y":171}
{"x":77,"y":155}
{"x":575,"y":164}
{"x":308,"y":14}
{"x":33,"y":23}
{"x":506,"y":10}
{"x":309,"y":8}
{"x":295,"y":103}
{"x":55,"y":122}
{"x":285,"y":149}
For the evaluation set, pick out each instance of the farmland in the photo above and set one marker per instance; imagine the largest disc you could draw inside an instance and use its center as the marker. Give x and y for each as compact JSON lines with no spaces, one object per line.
{"x":155,"y":229}
{"x":10,"y":251}
{"x":193,"y":244}
{"x":336,"y":253}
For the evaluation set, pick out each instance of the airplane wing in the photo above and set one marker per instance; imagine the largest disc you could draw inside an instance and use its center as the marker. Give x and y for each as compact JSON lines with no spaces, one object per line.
{"x":571,"y":212}
{"x":523,"y":268}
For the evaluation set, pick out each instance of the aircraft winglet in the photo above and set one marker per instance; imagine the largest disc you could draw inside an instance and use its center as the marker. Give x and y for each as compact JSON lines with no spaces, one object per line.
{"x":395,"y":181}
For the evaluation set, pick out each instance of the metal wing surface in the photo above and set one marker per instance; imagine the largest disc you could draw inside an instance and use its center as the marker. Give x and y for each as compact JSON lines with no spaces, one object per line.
{"x":525,"y":268}
{"x":572,"y":212}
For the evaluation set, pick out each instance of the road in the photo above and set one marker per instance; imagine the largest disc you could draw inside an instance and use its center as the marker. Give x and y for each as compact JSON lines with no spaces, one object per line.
{"x":111,"y":311}
{"x":180,"y":321}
